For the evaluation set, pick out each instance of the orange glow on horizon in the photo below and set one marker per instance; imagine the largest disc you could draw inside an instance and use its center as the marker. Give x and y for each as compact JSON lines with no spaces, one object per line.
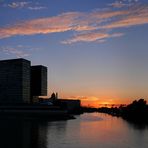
{"x":92,"y":102}
{"x":101,"y":101}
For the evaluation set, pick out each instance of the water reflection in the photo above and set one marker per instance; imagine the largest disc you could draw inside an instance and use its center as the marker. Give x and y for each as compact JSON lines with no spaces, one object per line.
{"x":88,"y":130}
{"x":137,"y":125}
{"x":22,"y":133}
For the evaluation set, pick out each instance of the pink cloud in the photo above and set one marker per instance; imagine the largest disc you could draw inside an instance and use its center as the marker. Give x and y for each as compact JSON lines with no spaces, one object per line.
{"x":87,"y":26}
{"x":64,"y":22}
{"x":137,"y":16}
{"x":91,"y":37}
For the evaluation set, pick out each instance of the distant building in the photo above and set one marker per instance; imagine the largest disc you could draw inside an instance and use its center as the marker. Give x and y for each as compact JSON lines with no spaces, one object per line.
{"x":15,"y":81}
{"x":17,"y":77}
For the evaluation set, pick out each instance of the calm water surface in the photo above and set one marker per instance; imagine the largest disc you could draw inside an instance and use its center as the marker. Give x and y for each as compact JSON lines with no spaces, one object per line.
{"x":93,"y":130}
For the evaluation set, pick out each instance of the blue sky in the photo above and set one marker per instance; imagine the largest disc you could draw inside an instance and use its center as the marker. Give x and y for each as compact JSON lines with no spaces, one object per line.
{"x":95,"y":50}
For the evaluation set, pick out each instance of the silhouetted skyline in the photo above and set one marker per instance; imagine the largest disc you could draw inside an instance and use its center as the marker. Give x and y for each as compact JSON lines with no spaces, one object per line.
{"x":96,"y":51}
{"x":20,"y":82}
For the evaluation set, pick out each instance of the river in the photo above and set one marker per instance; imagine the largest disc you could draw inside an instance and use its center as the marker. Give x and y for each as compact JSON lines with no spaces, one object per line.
{"x":89,"y":130}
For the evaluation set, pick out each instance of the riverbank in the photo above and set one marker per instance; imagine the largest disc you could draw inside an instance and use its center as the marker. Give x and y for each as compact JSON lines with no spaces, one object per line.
{"x":136,"y":112}
{"x":36,"y":111}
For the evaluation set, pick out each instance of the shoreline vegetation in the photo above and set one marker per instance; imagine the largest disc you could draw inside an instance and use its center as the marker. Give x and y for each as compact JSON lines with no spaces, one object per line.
{"x":135,"y":112}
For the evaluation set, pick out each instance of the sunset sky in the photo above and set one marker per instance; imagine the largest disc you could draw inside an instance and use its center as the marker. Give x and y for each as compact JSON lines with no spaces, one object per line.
{"x":95,"y":50}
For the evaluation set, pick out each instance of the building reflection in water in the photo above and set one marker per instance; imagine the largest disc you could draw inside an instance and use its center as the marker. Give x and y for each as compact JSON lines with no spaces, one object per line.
{"x":88,"y":130}
{"x":22,"y":133}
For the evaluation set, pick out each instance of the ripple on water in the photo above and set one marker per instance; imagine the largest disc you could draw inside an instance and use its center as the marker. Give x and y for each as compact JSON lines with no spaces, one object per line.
{"x":91,"y":117}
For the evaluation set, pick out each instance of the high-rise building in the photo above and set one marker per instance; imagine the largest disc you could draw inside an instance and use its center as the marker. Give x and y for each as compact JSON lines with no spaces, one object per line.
{"x":38,"y":80}
{"x":15,"y":81}
{"x":19,"y":81}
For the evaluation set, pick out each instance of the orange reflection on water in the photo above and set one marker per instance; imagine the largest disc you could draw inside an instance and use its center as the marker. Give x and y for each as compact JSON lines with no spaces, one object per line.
{"x":95,"y":130}
{"x":104,"y":129}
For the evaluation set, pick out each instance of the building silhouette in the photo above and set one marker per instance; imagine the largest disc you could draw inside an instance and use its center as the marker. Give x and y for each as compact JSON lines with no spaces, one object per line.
{"x":19,"y":81}
{"x":38,"y":80}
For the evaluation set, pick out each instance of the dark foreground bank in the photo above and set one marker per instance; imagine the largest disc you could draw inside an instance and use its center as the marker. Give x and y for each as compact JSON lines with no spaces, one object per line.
{"x":35,"y":111}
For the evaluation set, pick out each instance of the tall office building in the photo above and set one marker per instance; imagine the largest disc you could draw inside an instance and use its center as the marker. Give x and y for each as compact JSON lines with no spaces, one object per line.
{"x":19,"y":81}
{"x":38,"y":80}
{"x":15,"y":81}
